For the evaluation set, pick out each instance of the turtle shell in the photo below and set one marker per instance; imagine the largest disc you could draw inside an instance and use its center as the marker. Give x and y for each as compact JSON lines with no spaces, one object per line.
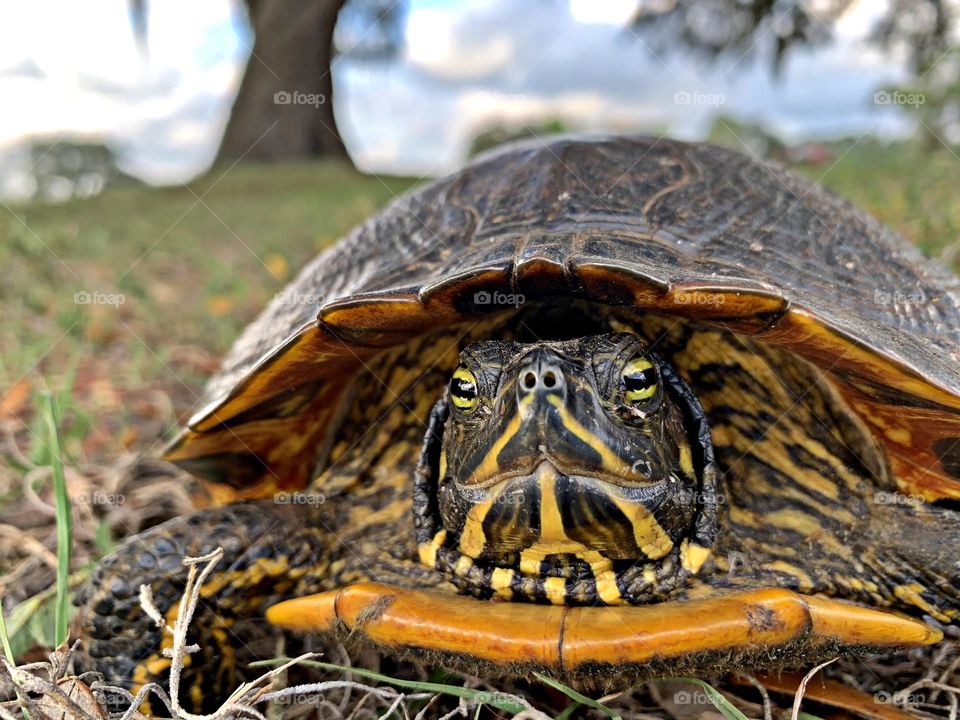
{"x":689,"y":230}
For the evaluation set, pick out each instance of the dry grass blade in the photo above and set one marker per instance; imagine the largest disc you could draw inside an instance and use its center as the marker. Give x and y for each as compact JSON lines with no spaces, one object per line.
{"x":798,"y":698}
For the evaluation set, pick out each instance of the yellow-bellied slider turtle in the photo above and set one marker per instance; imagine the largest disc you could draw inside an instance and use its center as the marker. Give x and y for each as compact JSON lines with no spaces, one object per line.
{"x":704,"y":413}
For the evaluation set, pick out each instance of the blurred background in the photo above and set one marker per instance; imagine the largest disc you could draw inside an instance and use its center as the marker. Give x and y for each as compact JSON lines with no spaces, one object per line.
{"x":166,"y":167}
{"x":114,"y":90}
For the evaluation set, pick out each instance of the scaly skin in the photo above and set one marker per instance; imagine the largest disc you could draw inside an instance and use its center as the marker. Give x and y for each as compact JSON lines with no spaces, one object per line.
{"x":266,"y":548}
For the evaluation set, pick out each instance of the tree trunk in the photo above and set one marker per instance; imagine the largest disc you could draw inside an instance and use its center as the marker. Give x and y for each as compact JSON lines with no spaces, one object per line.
{"x":284,"y":108}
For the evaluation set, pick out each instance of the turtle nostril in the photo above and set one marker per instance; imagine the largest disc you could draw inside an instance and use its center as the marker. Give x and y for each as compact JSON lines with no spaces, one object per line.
{"x":529,"y":380}
{"x":549,"y":379}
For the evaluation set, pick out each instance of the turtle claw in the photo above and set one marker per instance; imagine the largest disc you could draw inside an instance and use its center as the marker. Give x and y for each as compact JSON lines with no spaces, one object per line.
{"x":758,"y":627}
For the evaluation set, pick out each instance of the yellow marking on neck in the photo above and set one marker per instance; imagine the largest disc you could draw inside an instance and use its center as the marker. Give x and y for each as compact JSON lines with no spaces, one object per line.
{"x":551,"y":521}
{"x":556,"y":590}
{"x":473,"y":539}
{"x":553,"y":538}
{"x":443,"y":463}
{"x":648,"y":534}
{"x":500,"y":582}
{"x":463,"y":565}
{"x":693,"y":556}
{"x":799,"y":521}
{"x":428,"y":551}
{"x":911,"y":594}
{"x":607,"y":588}
{"x":532,"y":556}
{"x":804,"y":582}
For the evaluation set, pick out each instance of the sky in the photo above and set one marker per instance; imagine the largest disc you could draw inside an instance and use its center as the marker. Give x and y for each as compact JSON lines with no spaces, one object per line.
{"x":74,"y":69}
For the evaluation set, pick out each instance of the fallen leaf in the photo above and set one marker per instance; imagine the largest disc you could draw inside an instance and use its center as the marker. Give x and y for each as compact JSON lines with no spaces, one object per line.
{"x":277,"y":265}
{"x":218,"y":305}
{"x":14,"y":400}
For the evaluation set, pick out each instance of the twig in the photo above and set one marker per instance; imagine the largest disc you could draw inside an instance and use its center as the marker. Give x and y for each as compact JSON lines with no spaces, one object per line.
{"x":767,"y":705}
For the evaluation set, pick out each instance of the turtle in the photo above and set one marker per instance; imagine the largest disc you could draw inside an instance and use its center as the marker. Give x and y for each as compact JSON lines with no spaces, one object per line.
{"x":601,"y":407}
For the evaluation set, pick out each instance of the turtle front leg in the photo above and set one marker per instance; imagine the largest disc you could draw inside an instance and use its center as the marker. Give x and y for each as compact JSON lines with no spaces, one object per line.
{"x":268,"y":551}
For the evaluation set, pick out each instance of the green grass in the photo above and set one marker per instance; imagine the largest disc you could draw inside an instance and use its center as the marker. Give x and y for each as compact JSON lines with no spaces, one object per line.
{"x":64,"y":519}
{"x":509,"y":703}
{"x":193,"y":266}
{"x":905,"y":185}
{"x":193,"y":263}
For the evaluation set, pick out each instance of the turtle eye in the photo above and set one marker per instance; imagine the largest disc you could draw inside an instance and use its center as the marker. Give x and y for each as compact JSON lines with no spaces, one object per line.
{"x":640,"y":381}
{"x":463,"y":390}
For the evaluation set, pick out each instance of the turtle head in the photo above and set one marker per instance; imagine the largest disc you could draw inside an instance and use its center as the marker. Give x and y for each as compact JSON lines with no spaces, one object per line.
{"x":574,"y":471}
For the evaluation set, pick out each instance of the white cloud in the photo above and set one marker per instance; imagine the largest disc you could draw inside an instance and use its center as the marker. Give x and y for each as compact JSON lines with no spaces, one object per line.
{"x":419,"y":115}
{"x":607,"y":12}
{"x":93,"y":81}
{"x":437,"y":43}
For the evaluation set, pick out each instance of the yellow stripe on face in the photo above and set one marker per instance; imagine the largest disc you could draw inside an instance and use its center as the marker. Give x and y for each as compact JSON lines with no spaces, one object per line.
{"x":610,"y":461}
{"x":489,"y":467}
